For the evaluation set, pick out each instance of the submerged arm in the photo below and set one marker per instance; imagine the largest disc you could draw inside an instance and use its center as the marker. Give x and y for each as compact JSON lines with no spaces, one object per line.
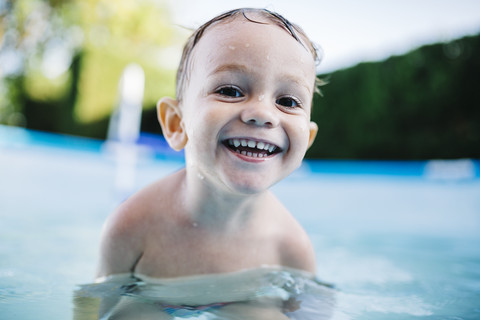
{"x":120,"y":251}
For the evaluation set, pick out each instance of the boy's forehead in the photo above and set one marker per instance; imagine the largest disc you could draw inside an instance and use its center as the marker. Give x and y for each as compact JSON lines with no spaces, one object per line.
{"x":239,"y":26}
{"x":228,"y":39}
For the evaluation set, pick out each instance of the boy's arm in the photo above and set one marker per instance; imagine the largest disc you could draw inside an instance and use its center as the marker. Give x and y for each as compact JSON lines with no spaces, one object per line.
{"x":298,"y":252}
{"x":120,"y":251}
{"x":120,"y":246}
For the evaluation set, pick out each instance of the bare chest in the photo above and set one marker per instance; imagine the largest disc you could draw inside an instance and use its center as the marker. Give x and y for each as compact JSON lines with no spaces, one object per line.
{"x":190,"y":253}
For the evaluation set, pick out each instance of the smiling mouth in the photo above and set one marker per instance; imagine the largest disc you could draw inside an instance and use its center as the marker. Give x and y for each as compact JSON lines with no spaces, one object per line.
{"x":252,"y":148}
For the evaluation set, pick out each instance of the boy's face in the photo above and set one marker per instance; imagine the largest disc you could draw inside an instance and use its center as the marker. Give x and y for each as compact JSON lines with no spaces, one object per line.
{"x":249,"y":83}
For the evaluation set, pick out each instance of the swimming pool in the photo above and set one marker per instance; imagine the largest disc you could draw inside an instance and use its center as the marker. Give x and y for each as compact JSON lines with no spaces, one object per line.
{"x":397,"y":239}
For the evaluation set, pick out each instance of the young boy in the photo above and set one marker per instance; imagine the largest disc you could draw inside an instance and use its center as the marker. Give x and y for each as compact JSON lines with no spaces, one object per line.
{"x":242,"y":113}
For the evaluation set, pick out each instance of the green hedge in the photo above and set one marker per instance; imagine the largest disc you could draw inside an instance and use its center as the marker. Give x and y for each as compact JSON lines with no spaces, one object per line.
{"x":422,"y":105}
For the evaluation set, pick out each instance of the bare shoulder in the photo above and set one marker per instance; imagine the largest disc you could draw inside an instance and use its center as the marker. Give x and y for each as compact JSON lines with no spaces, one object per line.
{"x":296,"y":247}
{"x":125,"y":231}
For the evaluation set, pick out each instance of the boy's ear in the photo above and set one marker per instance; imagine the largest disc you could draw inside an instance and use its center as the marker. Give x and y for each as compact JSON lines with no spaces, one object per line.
{"x":313,"y":133}
{"x":170,"y":118}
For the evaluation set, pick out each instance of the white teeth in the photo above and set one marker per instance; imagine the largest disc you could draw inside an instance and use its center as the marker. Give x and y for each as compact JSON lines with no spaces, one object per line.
{"x":252,"y":144}
{"x":244,"y":153}
{"x":249,"y":154}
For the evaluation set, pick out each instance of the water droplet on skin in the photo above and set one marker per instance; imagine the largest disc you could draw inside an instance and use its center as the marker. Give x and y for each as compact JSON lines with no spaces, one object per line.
{"x":195,"y":224}
{"x":231,"y":47}
{"x":200,"y":176}
{"x":261,"y":97}
{"x":268,"y":57}
{"x":247,"y":45}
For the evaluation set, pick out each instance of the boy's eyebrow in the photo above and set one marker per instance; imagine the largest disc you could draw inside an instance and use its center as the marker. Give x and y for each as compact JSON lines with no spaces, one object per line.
{"x":298,"y":81}
{"x":230,"y":67}
{"x":235,"y":67}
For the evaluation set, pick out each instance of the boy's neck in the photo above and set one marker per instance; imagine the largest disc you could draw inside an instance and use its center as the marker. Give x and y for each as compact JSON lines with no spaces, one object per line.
{"x":208,"y":205}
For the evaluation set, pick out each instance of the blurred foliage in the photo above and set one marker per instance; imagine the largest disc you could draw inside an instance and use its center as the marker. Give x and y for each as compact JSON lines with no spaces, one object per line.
{"x":60,"y":61}
{"x":422,"y":105}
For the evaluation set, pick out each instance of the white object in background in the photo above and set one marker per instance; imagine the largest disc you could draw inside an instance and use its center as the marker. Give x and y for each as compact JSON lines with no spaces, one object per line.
{"x":125,"y":122}
{"x":450,"y":170}
{"x":124,"y":129}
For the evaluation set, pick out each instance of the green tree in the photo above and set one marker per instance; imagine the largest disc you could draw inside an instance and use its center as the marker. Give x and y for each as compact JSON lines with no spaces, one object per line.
{"x":422,"y":105}
{"x":61,"y":60}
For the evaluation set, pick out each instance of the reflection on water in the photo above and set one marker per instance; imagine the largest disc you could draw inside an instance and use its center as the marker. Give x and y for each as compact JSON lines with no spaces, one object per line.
{"x":263,"y":293}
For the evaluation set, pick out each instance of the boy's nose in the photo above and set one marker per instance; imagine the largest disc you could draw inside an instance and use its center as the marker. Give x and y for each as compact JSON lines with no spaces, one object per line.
{"x":260,"y":114}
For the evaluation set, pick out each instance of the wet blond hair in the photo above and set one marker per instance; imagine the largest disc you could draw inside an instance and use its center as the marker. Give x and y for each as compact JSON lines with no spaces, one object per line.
{"x":294,"y":30}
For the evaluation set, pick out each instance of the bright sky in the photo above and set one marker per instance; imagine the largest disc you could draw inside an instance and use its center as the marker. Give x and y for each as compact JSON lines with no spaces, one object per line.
{"x":350,"y":32}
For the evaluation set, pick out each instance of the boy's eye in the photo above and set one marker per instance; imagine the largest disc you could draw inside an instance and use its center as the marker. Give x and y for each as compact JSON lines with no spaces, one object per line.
{"x":231,"y":92}
{"x":288,"y":102}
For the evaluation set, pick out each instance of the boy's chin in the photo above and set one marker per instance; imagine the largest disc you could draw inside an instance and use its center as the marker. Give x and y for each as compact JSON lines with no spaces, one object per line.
{"x":248,"y":185}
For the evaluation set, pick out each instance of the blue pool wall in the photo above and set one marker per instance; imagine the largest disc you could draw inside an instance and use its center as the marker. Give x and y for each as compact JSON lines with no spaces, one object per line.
{"x":155,"y":146}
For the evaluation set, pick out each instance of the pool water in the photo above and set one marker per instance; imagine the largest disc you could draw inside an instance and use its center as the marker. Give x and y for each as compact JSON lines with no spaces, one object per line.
{"x":398,"y":240}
